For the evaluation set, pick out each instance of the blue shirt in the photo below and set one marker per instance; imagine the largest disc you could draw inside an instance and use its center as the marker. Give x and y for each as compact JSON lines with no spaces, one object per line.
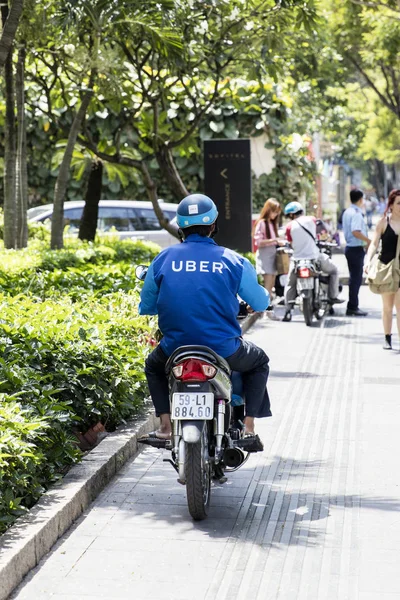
{"x":353,"y":220}
{"x":193,"y":289}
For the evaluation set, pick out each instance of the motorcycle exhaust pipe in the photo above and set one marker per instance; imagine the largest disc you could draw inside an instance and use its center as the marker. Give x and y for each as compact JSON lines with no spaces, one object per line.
{"x":233,"y":457}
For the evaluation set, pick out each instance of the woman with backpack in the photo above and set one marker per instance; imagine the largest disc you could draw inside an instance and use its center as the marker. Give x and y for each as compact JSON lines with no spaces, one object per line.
{"x":384,"y":275}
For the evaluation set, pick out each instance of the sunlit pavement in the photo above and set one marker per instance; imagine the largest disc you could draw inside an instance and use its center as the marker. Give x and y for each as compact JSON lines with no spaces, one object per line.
{"x":316,"y":515}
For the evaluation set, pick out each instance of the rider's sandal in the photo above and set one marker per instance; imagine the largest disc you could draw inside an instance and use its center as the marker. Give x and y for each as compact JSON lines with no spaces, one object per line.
{"x":251,"y":443}
{"x":156,"y":439}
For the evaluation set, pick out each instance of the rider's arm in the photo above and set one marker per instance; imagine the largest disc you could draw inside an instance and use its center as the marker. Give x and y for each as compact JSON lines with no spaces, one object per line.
{"x":149,"y":294}
{"x":250,"y":290}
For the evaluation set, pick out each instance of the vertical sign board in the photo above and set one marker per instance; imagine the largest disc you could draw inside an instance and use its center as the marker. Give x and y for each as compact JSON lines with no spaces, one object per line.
{"x":227,"y":175}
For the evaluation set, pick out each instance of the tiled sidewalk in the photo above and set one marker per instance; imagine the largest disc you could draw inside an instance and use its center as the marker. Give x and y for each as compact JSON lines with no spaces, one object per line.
{"x":315,"y":516}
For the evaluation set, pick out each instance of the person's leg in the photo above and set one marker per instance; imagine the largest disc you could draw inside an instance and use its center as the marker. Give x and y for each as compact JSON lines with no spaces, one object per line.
{"x":252,"y":362}
{"x":158,"y":385}
{"x":387,"y":318}
{"x":359,"y":271}
{"x":269,"y":282}
{"x":355,"y":261}
{"x":329,"y":267}
{"x":387,"y":312}
{"x":397,"y":305}
{"x":290,"y":288}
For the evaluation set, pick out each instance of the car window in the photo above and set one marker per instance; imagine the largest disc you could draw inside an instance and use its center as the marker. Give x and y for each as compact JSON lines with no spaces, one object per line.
{"x":149,"y":220}
{"x":72,"y":218}
{"x":170,"y":214}
{"x":114,"y":217}
{"x":134,"y":220}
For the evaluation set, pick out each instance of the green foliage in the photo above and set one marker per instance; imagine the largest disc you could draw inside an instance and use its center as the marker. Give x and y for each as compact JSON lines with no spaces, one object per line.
{"x":161,"y":68}
{"x":21,"y":459}
{"x":73,"y":347}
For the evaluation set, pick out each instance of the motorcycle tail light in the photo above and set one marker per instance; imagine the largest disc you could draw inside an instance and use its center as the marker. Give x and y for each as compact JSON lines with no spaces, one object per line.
{"x":209,"y":370}
{"x":194,"y":369}
{"x":178,"y":370}
{"x":304,"y":272}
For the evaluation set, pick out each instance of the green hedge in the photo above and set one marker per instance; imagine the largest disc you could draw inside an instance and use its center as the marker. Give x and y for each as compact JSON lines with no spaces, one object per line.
{"x":71,"y":354}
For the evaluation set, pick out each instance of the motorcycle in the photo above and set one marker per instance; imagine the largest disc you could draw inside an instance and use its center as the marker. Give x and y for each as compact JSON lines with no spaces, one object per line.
{"x":312,"y":286}
{"x":207,"y":412}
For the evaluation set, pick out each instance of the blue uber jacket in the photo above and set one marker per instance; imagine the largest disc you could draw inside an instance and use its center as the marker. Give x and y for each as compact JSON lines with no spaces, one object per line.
{"x":193,"y":289}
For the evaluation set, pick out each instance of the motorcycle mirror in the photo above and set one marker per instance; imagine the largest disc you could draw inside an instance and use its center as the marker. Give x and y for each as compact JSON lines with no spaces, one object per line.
{"x":141,"y":272}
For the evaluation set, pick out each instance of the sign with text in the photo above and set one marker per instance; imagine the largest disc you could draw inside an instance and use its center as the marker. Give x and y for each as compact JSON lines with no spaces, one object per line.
{"x":227,"y":180}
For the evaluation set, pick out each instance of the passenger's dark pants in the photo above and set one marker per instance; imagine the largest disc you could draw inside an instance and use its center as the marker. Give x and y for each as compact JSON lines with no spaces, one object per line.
{"x":249,"y":359}
{"x":355,"y":261}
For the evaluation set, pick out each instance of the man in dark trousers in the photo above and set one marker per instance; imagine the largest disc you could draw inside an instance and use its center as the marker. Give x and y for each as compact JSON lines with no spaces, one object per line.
{"x":193,"y":288}
{"x":356,"y":235}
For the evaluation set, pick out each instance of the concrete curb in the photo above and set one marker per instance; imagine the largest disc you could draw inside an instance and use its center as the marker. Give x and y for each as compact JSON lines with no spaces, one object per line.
{"x":26,"y":542}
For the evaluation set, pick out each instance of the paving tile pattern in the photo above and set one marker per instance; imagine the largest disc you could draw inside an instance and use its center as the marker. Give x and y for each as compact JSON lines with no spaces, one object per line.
{"x":315,"y":516}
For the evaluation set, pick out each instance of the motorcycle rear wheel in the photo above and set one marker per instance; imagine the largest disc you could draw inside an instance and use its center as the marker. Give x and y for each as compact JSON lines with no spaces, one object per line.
{"x":198,"y":478}
{"x":308,"y":310}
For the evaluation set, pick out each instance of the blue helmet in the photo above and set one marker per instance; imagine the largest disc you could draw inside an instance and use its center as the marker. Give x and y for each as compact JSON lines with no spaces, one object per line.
{"x":293,"y":208}
{"x":196,"y":209}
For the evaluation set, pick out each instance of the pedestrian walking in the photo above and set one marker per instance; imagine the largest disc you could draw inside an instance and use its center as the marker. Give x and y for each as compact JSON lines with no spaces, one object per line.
{"x":356,"y":235}
{"x":387,"y":269}
{"x":266,"y":241}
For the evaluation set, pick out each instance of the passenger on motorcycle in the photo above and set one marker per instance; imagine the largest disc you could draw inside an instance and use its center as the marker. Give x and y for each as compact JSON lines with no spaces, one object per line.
{"x":301,"y":232}
{"x":193,"y":288}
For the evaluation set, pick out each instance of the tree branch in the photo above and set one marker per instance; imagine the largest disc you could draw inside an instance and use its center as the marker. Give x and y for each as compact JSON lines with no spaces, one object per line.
{"x":383,"y":99}
{"x":111,"y":158}
{"x":9,"y":29}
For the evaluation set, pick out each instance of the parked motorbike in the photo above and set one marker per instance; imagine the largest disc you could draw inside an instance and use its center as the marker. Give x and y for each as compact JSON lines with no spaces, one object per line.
{"x":207,"y":411}
{"x":312,"y":286}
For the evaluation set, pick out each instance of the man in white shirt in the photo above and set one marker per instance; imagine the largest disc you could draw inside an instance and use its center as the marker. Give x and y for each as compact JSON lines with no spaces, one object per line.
{"x":301,"y":232}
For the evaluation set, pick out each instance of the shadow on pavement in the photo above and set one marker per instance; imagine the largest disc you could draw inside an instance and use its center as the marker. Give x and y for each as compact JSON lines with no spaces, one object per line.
{"x":293,"y":374}
{"x":373,"y":338}
{"x":277,"y":506}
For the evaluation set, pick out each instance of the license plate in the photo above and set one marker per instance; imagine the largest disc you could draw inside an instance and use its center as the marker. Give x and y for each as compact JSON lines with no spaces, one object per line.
{"x":190,"y":405}
{"x":305,"y":284}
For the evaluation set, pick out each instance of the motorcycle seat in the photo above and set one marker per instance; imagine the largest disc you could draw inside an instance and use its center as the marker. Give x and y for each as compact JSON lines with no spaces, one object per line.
{"x":200,"y":352}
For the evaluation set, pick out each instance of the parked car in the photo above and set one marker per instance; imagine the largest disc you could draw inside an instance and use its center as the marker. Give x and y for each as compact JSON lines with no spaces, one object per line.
{"x":125,"y":218}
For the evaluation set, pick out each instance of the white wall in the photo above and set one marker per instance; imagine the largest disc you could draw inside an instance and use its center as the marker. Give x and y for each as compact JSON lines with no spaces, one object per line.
{"x":262,"y":159}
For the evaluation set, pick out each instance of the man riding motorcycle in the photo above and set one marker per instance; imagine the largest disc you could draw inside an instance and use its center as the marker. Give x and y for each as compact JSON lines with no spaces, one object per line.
{"x":193,"y":288}
{"x":301,"y":232}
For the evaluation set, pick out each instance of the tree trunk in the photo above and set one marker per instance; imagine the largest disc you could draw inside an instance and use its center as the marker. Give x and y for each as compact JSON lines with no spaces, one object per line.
{"x":57,"y":222}
{"x":10,"y":153}
{"x":170,"y":172}
{"x":21,"y":191}
{"x":10,"y":24}
{"x":153,"y":197}
{"x":88,"y":225}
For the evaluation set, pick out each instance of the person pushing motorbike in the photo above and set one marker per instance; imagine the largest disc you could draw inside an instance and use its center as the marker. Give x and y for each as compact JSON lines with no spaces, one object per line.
{"x":193,"y":288}
{"x":301,"y":232}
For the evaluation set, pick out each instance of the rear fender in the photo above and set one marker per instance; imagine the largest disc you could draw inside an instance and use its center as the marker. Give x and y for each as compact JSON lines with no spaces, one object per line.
{"x":192,"y":430}
{"x":306,"y":293}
